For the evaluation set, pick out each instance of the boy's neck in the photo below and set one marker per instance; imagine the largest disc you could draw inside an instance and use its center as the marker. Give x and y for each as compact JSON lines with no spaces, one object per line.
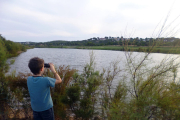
{"x":37,"y":75}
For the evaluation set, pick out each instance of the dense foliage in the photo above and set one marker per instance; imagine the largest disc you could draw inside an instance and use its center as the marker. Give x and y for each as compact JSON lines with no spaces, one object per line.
{"x":107,"y":41}
{"x":7,"y":49}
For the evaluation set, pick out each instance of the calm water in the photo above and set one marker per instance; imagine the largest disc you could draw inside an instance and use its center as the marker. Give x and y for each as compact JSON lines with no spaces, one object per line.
{"x":75,"y":58}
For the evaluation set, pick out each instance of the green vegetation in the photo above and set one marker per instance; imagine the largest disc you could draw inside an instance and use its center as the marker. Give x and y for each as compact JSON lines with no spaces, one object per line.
{"x":165,"y":45}
{"x":144,"y":90}
{"x":151,"y":93}
{"x":12,"y":61}
{"x":160,"y":49}
{"x":107,"y":41}
{"x":7,"y":49}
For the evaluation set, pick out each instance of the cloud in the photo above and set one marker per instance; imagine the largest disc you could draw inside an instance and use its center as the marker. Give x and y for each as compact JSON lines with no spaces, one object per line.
{"x":127,"y":6}
{"x":45,"y":20}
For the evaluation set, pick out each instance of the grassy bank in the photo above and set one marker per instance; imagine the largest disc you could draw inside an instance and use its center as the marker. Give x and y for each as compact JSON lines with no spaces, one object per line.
{"x":163,"y":49}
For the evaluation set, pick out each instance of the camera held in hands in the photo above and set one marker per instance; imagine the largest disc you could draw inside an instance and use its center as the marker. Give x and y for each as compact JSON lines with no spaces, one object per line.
{"x":46,"y":65}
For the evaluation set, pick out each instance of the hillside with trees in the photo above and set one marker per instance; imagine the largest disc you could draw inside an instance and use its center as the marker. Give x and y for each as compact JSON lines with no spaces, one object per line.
{"x":172,"y":41}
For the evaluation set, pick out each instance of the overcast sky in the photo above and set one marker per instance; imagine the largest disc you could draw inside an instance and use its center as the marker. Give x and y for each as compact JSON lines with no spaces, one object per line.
{"x":47,"y":20}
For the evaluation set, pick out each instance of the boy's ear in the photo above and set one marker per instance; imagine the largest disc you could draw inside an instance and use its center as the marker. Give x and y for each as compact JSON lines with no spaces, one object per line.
{"x":42,"y":69}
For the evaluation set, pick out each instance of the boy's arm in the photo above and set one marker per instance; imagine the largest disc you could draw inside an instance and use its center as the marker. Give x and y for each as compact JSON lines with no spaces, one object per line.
{"x":58,"y":78}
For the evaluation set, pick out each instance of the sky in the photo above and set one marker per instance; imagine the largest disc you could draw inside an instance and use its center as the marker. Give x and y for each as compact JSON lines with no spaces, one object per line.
{"x":48,"y":20}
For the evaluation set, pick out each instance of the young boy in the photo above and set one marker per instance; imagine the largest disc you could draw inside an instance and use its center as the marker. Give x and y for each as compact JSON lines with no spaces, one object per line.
{"x":39,"y":89}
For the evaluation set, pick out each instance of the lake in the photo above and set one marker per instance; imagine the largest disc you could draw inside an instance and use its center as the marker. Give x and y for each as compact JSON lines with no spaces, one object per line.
{"x":77,"y":58}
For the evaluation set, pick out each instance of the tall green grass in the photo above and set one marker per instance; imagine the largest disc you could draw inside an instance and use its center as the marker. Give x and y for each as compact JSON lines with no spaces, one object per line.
{"x":158,"y":49}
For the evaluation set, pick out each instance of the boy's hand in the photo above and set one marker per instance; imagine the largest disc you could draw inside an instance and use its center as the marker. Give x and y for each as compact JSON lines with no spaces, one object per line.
{"x":58,"y":78}
{"x":52,"y":68}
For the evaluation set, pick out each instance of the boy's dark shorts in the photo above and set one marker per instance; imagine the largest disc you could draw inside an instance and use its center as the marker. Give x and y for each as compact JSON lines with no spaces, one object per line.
{"x":44,"y":115}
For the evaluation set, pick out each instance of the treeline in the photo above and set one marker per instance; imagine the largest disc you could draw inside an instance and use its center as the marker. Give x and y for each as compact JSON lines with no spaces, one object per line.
{"x":107,"y":41}
{"x":9,"y":49}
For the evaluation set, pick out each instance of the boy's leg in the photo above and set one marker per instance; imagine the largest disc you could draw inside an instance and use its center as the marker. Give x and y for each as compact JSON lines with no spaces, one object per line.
{"x":48,"y":114}
{"x":37,"y":115}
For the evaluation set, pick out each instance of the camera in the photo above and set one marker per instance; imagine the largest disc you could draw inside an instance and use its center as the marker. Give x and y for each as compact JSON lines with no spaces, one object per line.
{"x":46,"y":65}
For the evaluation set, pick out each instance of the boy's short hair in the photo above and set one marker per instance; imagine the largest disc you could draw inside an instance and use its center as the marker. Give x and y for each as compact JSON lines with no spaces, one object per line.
{"x":35,"y":65}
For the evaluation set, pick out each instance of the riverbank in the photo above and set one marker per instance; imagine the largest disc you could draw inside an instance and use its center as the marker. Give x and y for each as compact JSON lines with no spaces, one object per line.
{"x":160,"y":49}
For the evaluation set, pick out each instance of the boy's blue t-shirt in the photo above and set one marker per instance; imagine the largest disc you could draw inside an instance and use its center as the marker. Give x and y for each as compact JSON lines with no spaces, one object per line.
{"x":39,"y":90}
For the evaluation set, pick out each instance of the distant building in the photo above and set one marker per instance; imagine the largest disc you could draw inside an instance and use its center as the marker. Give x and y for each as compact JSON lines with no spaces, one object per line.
{"x":102,"y":38}
{"x":168,"y":40}
{"x":116,"y":38}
